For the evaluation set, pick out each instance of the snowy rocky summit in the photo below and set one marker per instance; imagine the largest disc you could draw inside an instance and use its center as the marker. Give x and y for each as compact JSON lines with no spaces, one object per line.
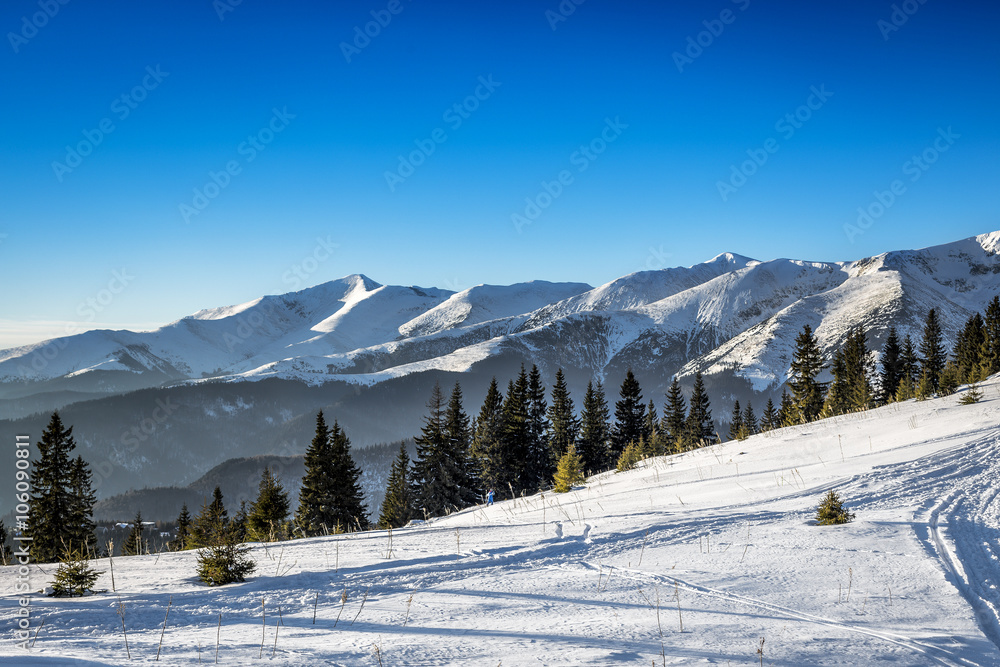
{"x":701,"y":558}
{"x":731,"y":317}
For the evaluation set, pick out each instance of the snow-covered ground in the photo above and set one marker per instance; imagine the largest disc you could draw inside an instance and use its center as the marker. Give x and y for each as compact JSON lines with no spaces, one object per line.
{"x":720,"y":540}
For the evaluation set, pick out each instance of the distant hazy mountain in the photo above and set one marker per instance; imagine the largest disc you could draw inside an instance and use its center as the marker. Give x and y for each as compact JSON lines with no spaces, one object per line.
{"x":163,"y":407}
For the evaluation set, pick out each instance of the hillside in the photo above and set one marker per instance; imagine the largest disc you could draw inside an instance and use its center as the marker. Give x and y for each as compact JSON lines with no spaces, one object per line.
{"x":691,"y":559}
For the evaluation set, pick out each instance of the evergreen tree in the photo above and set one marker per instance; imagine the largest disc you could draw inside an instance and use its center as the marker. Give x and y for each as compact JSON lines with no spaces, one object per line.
{"x":973,"y":395}
{"x":807,"y":363}
{"x":699,"y":428}
{"x":226,"y":561}
{"x":348,"y":502}
{"x":564,"y":427}
{"x":594,"y":431}
{"x":925,"y":387}
{"x":909,"y":362}
{"x":990,"y":354}
{"x":516,"y":436}
{"x":487,"y":443}
{"x":266,"y":519}
{"x":82,"y":507}
{"x":950,"y":378}
{"x":859,"y":371}
{"x":4,"y":547}
{"x":441,"y":473}
{"x":630,"y":415}
{"x":74,"y":576}
{"x":314,"y":514}
{"x":238,"y":526}
{"x":211,"y":522}
{"x":969,"y":348}
{"x":831,"y":511}
{"x":52,"y":509}
{"x":736,"y":423}
{"x":770,"y":420}
{"x":651,"y":431}
{"x":839,"y":391}
{"x":134,"y":545}
{"x":892,"y":367}
{"x":788,"y":415}
{"x":674,"y":416}
{"x":750,"y":424}
{"x":180,"y":541}
{"x":569,"y":471}
{"x":540,"y":465}
{"x":932,"y":352}
{"x":397,"y":507}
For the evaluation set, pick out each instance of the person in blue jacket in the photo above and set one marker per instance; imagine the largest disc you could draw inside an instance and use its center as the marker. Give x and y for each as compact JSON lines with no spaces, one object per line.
{"x":489,"y":497}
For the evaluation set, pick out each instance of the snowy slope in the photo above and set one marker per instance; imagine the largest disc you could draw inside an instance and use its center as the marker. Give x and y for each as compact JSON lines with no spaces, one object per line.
{"x":691,"y":559}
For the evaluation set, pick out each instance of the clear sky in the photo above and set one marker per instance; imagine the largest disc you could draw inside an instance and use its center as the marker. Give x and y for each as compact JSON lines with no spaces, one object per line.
{"x":647,"y":134}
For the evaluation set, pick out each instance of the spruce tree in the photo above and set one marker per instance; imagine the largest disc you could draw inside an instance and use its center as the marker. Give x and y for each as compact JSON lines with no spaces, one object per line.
{"x":969,"y":347}
{"x":932,"y":352}
{"x":210,"y":524}
{"x":788,"y":415}
{"x":837,"y":396}
{"x":516,"y":436}
{"x":990,"y":354}
{"x":180,"y":541}
{"x":134,"y":545}
{"x":807,"y":363}
{"x":4,"y":547}
{"x":564,"y":427}
{"x":651,"y":431}
{"x":458,"y":436}
{"x":82,"y":507}
{"x":75,"y":575}
{"x":227,"y":561}
{"x":348,"y":509}
{"x":330,"y":499}
{"x":909,"y":363}
{"x":397,"y":506}
{"x":699,"y":428}
{"x":674,"y":416}
{"x":52,"y":509}
{"x":266,"y":518}
{"x":238,"y":526}
{"x":630,"y":415}
{"x":750,"y":424}
{"x":892,"y":367}
{"x":858,"y":366}
{"x":770,"y":420}
{"x":594,"y":430}
{"x":569,"y":471}
{"x":540,"y":466}
{"x":440,"y":473}
{"x":487,"y":442}
{"x":736,"y":423}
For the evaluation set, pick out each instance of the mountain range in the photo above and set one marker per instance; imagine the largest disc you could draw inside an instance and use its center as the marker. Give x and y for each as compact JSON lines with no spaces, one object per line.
{"x":165,"y":406}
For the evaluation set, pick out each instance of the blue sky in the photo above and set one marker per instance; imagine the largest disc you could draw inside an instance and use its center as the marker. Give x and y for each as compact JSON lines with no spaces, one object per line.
{"x":648,"y":144}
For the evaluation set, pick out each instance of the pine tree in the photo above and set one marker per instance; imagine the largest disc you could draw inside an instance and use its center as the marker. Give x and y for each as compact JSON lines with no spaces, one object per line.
{"x":630,"y":415}
{"x":180,"y":541}
{"x":859,"y":371}
{"x":807,"y":363}
{"x":238,"y":526}
{"x":831,"y":511}
{"x":134,"y":545}
{"x":487,"y":442}
{"x":82,"y":507}
{"x":736,"y":423}
{"x":52,"y":509}
{"x":347,"y":506}
{"x":770,"y":420}
{"x":950,"y":378}
{"x":651,"y":431}
{"x":973,"y":395}
{"x":932,"y":352}
{"x":397,"y":507}
{"x":990,"y":354}
{"x":569,"y":471}
{"x":788,"y":415}
{"x":458,"y":436}
{"x":699,"y":428}
{"x":440,"y":472}
{"x":594,"y":431}
{"x":4,"y":547}
{"x":925,"y":388}
{"x":629,"y":457}
{"x":210,"y":524}
{"x":266,"y":519}
{"x":839,"y":390}
{"x":892,"y":367}
{"x":909,"y":362}
{"x":674,"y":416}
{"x":540,"y":466}
{"x":227,"y":561}
{"x":564,"y":427}
{"x":750,"y":424}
